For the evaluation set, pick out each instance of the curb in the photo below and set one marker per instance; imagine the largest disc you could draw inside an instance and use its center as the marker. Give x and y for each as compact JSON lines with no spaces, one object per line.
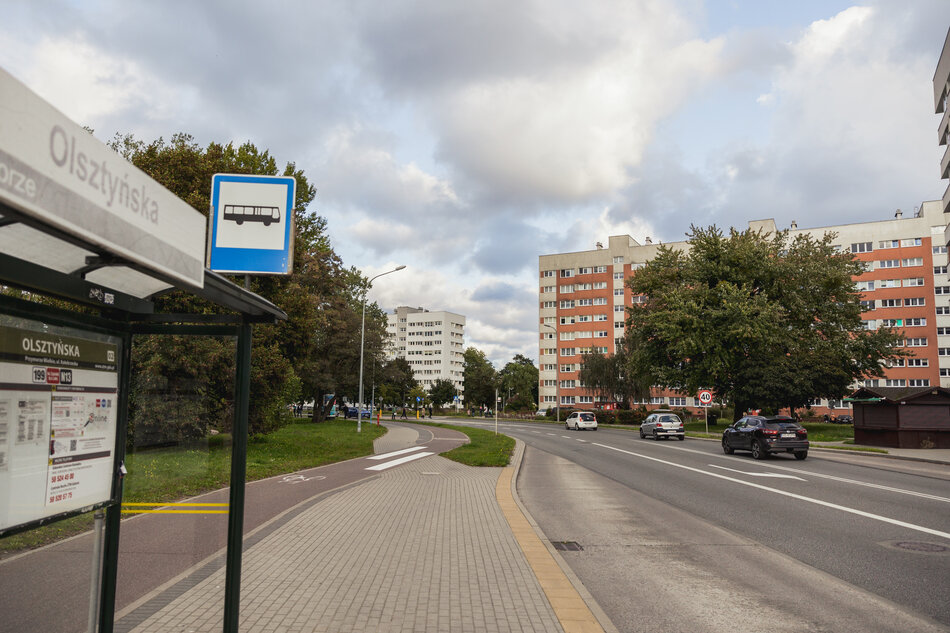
{"x":569,"y":606}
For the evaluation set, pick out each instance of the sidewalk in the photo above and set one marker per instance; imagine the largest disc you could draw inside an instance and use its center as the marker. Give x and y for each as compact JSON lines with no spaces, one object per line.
{"x":426,"y":546}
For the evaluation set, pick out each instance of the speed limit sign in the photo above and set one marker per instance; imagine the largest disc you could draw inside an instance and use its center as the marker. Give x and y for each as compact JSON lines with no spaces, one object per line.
{"x":705,"y":397}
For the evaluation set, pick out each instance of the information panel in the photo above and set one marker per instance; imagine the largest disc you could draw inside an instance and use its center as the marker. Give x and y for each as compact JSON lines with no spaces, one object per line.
{"x":58,"y":392}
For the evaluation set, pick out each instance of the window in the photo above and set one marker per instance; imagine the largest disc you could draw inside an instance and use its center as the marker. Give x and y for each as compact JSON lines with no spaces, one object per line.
{"x":940,"y":270}
{"x":915,"y":322}
{"x":584,"y":271}
{"x":600,"y":301}
{"x":913,"y":282}
{"x":549,"y":304}
{"x":618,"y":275}
{"x":567,"y":288}
{"x":584,"y":302}
{"x":943,"y":351}
{"x":600,"y":285}
{"x":568,"y":351}
{"x":942,"y":309}
{"x":657,"y":400}
{"x":585,"y":334}
{"x":915,"y":301}
{"x":584,"y":318}
{"x":567,"y":336}
{"x":892,"y":322}
{"x":618,"y":308}
{"x":889,"y":244}
{"x":585,"y":400}
{"x":547,"y":273}
{"x":638,"y":299}
{"x":600,"y":334}
{"x":600,"y":317}
{"x":861,"y":247}
{"x":567,"y":272}
{"x":567,"y":304}
{"x":618,"y":324}
{"x":942,"y":290}
{"x":889,"y":283}
{"x":943,"y":331}
{"x":567,"y":320}
{"x":918,"y":362}
{"x":889,"y":263}
{"x":583,"y":286}
{"x":910,"y":241}
{"x":916,"y":342}
{"x":890,"y":303}
{"x":618,"y":292}
{"x":871,"y":382}
{"x":677,"y":402}
{"x":618,"y":259}
{"x":865,"y":286}
{"x":895,"y":362}
{"x":548,"y":366}
{"x":895,"y":382}
{"x":547,"y":288}
{"x":918,"y":382}
{"x":913,"y":261}
{"x":939,"y":250}
{"x":568,"y":384}
{"x":600,"y":269}
{"x":867,"y":306}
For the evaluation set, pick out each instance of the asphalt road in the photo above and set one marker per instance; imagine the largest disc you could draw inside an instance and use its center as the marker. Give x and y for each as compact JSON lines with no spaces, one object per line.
{"x":678,"y":536}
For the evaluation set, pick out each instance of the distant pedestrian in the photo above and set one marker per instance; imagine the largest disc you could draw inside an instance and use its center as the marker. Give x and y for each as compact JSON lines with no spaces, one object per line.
{"x":430,"y":411}
{"x":345,"y":411}
{"x":394,"y":412}
{"x":403,"y":416}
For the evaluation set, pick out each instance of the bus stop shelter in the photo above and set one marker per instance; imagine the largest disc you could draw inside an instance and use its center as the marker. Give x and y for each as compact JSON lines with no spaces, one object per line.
{"x":87,"y":243}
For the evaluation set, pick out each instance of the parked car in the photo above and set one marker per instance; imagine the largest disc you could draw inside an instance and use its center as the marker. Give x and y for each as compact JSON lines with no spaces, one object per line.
{"x":842,"y":419}
{"x":663,"y":424}
{"x":351,"y":413}
{"x":766,"y":435}
{"x":581,"y":420}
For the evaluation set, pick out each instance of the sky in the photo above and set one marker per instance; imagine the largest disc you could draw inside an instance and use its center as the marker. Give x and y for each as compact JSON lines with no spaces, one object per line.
{"x":465,"y":139}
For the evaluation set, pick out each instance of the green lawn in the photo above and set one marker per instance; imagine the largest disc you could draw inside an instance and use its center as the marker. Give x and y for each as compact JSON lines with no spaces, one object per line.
{"x":176,"y":473}
{"x":485,"y":448}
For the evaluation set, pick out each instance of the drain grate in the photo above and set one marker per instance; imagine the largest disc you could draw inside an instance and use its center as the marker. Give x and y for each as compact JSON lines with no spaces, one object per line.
{"x":918,"y":546}
{"x":567,"y":546}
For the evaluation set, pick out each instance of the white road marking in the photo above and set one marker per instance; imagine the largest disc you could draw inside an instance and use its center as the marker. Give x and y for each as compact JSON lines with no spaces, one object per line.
{"x":394,"y":453}
{"x":810,"y":473}
{"x":566,"y":437}
{"x":401,"y":460}
{"x":552,"y":434}
{"x":778,"y":475}
{"x":827,"y":504}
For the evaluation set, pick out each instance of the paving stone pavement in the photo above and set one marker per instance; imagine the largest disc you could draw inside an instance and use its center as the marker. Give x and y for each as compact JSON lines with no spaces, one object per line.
{"x":424,"y":548}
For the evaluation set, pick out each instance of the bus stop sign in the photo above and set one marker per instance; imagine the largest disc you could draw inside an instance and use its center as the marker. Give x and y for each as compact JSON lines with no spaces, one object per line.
{"x":251,"y":224}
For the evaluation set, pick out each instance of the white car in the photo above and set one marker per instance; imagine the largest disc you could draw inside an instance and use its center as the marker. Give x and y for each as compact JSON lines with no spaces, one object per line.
{"x":581,"y":420}
{"x":663,"y":424}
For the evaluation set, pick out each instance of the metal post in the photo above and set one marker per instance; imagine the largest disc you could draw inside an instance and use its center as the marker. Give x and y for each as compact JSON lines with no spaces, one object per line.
{"x":96,"y":583}
{"x":359,"y":406}
{"x":242,"y":388}
{"x":496,"y":410}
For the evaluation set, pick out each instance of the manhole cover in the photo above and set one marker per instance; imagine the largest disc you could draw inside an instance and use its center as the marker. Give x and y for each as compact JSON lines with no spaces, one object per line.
{"x":567,"y":546}
{"x":918,"y":546}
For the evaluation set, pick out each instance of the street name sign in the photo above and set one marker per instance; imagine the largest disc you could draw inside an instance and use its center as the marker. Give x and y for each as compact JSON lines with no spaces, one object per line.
{"x":251,"y":224}
{"x":54,"y":171}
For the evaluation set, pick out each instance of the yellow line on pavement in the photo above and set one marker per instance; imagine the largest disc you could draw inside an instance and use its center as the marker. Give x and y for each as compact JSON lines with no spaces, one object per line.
{"x":571,"y":610}
{"x":165,"y":504}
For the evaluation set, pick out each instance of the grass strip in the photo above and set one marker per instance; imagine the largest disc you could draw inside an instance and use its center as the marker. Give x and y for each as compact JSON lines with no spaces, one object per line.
{"x":485,"y":448}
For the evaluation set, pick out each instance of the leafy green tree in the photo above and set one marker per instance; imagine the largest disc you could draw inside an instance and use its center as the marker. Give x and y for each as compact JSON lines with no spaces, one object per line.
{"x":442,"y":391}
{"x":399,"y":380}
{"x":612,"y":378}
{"x":762,"y":320}
{"x":480,"y":379}
{"x":418,"y":397}
{"x":518,"y":381}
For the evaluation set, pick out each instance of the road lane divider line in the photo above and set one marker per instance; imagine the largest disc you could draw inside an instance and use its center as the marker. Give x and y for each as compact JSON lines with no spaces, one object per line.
{"x":743,"y":472}
{"x":827,"y":504}
{"x":395,"y":453}
{"x":811,"y":473}
{"x":401,"y":460}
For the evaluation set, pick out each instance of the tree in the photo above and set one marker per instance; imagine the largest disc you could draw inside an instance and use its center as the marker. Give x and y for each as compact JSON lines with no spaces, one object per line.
{"x":398,"y":380}
{"x":762,"y":320}
{"x":480,"y":379}
{"x":442,"y":391}
{"x":518,"y":381}
{"x":612,"y":378}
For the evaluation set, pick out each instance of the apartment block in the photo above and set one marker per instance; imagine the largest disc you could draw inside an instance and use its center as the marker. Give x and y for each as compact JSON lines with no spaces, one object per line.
{"x":433,"y":343}
{"x":941,"y":92}
{"x":583,"y":300}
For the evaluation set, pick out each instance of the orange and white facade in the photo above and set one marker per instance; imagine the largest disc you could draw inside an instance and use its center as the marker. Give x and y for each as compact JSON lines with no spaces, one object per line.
{"x":583,"y":298}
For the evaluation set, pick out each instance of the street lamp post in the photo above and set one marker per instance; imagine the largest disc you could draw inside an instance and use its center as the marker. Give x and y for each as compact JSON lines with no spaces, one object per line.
{"x":557,"y":381}
{"x":359,"y":407}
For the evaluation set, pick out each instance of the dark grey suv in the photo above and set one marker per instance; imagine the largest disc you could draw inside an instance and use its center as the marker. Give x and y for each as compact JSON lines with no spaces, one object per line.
{"x":766,"y":435}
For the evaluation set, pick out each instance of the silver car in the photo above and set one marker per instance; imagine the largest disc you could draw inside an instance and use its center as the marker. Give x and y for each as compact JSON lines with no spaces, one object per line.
{"x":581,"y":420}
{"x":663,"y":424}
